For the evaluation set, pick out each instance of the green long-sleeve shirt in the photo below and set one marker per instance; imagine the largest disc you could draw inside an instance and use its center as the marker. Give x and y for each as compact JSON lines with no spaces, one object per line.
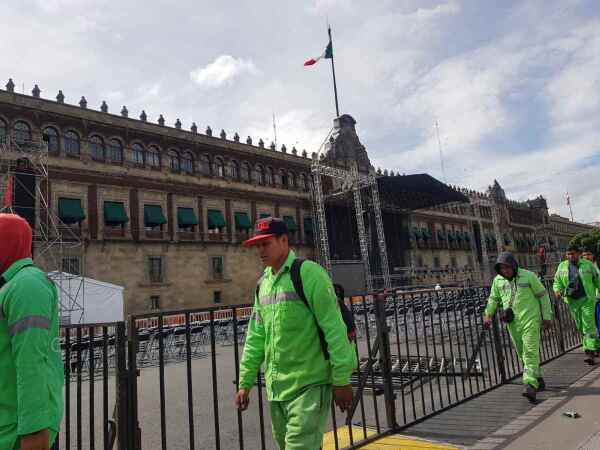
{"x":587,"y":273}
{"x":31,"y":369}
{"x":283,"y":334}
{"x":531,"y":300}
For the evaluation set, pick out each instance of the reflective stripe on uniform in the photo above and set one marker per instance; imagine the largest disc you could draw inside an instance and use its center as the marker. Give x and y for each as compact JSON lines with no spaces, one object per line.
{"x":257,"y":317}
{"x":279,"y":297}
{"x":29,"y":322}
{"x":540,"y":294}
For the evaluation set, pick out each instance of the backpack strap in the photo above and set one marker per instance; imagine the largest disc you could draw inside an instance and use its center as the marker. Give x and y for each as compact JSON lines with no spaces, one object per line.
{"x":257,"y":292}
{"x":299,"y":288}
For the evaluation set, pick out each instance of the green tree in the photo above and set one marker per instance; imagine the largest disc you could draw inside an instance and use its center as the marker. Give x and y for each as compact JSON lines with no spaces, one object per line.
{"x":589,"y":240}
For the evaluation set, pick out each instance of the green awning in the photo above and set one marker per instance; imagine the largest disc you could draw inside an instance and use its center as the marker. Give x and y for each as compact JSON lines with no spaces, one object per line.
{"x":440,"y":235}
{"x":425,"y":233}
{"x":242,"y":221}
{"x":215,"y":219}
{"x":153,"y":216}
{"x":264,"y":215}
{"x":451,"y":235}
{"x":308,"y":225}
{"x":467,"y":236}
{"x":291,"y":223}
{"x":459,"y":236}
{"x":416,"y":233}
{"x":114,"y":213}
{"x":186,"y":217}
{"x":70,"y":210}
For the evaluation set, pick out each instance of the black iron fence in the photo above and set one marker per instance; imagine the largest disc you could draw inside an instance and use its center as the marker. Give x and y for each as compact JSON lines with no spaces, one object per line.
{"x":169,"y":382}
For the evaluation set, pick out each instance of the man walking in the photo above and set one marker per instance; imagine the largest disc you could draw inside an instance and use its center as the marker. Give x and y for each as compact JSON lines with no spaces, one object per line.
{"x":304,"y":346}
{"x":31,"y":369}
{"x":576,"y":281}
{"x":525,"y":309}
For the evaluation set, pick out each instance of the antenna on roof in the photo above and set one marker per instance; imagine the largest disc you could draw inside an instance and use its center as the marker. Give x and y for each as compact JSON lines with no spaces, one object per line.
{"x":437,"y":130}
{"x":274,"y":131}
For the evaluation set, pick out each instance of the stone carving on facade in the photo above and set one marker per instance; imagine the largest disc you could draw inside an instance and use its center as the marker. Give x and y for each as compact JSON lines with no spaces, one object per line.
{"x":124,"y":111}
{"x":261,"y":143}
{"x":60,"y":97}
{"x":83,"y":102}
{"x":223,"y":134}
{"x":143,"y":116}
{"x":236,"y":137}
{"x":249,"y":140}
{"x":104,"y":107}
{"x":194,"y":128}
{"x":35,"y":92}
{"x":344,"y":148}
{"x":161,"y":120}
{"x":208,"y":131}
{"x":283,"y":149}
{"x":178,"y":124}
{"x":10,"y":86}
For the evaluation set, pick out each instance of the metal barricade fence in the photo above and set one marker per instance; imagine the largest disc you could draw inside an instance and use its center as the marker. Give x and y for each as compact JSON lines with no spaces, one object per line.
{"x":419,"y":353}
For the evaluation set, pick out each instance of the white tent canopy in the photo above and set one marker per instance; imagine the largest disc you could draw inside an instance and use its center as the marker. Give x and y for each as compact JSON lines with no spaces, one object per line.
{"x":85,"y":300}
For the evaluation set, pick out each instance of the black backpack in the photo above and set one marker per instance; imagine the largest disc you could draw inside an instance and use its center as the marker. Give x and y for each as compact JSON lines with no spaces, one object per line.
{"x":299,"y":288}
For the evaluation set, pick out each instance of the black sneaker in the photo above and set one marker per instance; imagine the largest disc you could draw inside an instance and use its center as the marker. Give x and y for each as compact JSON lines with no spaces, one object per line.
{"x":529,"y":393}
{"x":590,"y":357}
{"x":541,"y":384}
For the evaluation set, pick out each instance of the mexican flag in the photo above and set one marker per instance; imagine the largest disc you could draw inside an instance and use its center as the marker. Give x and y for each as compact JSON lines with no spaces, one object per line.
{"x":327,"y":54}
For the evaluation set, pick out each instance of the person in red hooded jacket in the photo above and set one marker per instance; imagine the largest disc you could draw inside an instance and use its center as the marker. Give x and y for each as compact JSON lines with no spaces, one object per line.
{"x":31,"y":369}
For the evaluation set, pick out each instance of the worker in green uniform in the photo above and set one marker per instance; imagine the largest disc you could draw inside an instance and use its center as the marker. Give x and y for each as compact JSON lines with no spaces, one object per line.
{"x":576,"y":281}
{"x":301,"y":375}
{"x":31,"y":369}
{"x":526,"y":309}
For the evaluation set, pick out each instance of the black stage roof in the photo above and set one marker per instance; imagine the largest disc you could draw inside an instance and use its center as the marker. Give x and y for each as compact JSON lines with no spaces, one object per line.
{"x":410,"y":192}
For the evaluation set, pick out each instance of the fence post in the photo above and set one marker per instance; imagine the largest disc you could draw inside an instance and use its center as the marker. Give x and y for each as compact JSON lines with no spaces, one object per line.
{"x":499,"y":349}
{"x":121,"y":402}
{"x":135,"y":435}
{"x":385,"y":360}
{"x":558,"y":317}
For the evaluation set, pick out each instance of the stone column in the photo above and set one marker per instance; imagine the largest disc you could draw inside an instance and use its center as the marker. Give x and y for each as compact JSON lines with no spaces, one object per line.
{"x":92,"y":203}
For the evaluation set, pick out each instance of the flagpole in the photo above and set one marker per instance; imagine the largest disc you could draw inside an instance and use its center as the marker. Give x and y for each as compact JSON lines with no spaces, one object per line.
{"x":337,"y":108}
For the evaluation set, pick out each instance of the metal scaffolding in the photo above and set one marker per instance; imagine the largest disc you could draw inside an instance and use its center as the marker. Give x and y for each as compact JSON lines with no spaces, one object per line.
{"x":350,"y":181}
{"x":57,"y":247}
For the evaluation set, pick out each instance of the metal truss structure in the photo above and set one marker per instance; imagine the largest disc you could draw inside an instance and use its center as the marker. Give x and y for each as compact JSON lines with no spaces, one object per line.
{"x":57,"y":247}
{"x":349,"y":182}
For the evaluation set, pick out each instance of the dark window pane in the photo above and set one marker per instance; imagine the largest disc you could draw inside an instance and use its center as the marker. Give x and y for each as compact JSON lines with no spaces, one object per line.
{"x":97,"y":148}
{"x":115,"y":150}
{"x":137,"y":154}
{"x":72,"y":145}
{"x":22,"y":132}
{"x":51,"y":138}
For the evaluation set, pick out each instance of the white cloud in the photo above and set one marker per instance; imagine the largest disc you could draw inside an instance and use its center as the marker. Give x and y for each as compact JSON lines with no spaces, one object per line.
{"x":222,"y":70}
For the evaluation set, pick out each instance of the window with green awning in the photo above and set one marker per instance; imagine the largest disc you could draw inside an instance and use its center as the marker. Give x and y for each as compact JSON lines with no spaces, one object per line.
{"x":186,"y":217}
{"x":216,"y":220}
{"x":291,"y":223}
{"x":242,"y":221}
{"x":440,"y":234}
{"x":115,"y":214}
{"x":308,"y":225}
{"x":70,"y":210}
{"x":153,"y":216}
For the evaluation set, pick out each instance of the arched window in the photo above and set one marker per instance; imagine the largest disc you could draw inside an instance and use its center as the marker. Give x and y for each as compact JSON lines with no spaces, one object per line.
{"x":292,"y":180}
{"x":219,"y":167}
{"x":269,"y":176}
{"x":153,"y":156}
{"x":174,"y":160}
{"x":115,"y":150}
{"x":283,"y":177}
{"x":304,"y":182}
{"x":234,"y":170}
{"x":187,"y":162}
{"x":259,"y":175}
{"x":2,"y":131}
{"x":51,"y":138}
{"x":72,"y":143}
{"x":204,"y":165}
{"x":22,"y":132}
{"x":137,"y":154}
{"x":97,"y":148}
{"x":245,"y":174}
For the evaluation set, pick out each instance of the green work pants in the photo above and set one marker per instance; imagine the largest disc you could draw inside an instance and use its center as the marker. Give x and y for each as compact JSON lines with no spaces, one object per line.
{"x":299,"y":424}
{"x":10,"y":441}
{"x":525,"y":335}
{"x":584,"y":314}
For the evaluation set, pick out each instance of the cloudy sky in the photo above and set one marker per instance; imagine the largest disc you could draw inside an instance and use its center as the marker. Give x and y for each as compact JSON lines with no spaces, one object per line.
{"x":513,"y":86}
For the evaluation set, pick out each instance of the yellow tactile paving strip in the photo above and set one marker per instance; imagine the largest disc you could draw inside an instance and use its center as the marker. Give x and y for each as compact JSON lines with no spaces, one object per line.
{"x":386,"y":443}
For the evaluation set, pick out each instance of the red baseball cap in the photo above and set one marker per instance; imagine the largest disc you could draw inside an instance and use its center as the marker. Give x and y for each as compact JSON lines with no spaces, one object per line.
{"x":266,"y":228}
